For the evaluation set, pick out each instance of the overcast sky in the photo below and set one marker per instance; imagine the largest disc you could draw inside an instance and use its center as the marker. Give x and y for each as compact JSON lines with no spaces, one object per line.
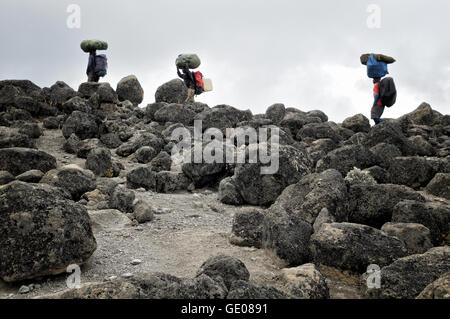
{"x":304,"y":54}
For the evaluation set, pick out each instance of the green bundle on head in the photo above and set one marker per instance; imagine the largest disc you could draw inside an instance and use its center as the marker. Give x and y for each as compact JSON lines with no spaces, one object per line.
{"x":93,"y":45}
{"x":191,"y":60}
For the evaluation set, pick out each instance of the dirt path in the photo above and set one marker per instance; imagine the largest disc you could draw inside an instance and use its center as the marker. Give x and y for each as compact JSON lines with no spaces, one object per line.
{"x":190,"y":228}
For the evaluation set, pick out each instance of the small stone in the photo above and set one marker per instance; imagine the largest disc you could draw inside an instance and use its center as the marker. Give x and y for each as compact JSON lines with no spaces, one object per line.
{"x":111,"y":278}
{"x":24,"y":290}
{"x":162,"y":211}
{"x":127,"y":275}
{"x":135,"y":262}
{"x":197,"y":205}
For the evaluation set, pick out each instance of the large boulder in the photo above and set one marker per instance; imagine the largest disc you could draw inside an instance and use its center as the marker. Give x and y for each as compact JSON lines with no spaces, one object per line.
{"x":229,"y":193}
{"x":76,"y":103}
{"x":263,"y":189}
{"x":33,"y":176}
{"x":22,"y":94}
{"x":433,"y":215}
{"x":99,"y":161}
{"x":293,"y":121}
{"x":407,"y":277}
{"x":43,"y":234}
{"x":60,"y":92}
{"x":168,"y":181}
{"x":82,"y":124}
{"x":83,"y":148}
{"x":438,"y":289}
{"x":72,"y":178}
{"x":71,"y":144}
{"x":141,"y":177}
{"x":423,"y":147}
{"x":423,"y":115}
{"x":357,"y":123}
{"x":143,"y":212}
{"x":314,"y":192}
{"x":241,"y":289}
{"x":6,"y":177}
{"x":385,"y":154}
{"x":20,"y":160}
{"x":177,"y":113}
{"x":439,"y":185}
{"x":138,"y":141}
{"x":88,"y":89}
{"x":111,"y":140}
{"x":306,"y":282}
{"x":106,"y":93}
{"x":373,"y":205}
{"x":276,"y":112}
{"x":32,"y":130}
{"x":411,"y":171}
{"x":345,"y":158}
{"x":287,"y":236}
{"x":415,"y":236}
{"x":122,"y":199}
{"x":390,"y":133}
{"x":130,"y":89}
{"x":22,"y":87}
{"x":315,"y":131}
{"x":224,"y":268}
{"x":203,"y":174}
{"x":354,"y":247}
{"x":174,"y":91}
{"x":321,"y":147}
{"x":145,"y":154}
{"x":148,"y":286}
{"x":222,"y":117}
{"x":12,"y":137}
{"x":247,"y":228}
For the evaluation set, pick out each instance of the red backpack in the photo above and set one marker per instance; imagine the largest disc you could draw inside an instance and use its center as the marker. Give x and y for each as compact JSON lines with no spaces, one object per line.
{"x":199,"y":86}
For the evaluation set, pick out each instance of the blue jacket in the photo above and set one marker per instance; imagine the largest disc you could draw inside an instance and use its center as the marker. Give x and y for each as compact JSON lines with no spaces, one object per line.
{"x":91,"y":64}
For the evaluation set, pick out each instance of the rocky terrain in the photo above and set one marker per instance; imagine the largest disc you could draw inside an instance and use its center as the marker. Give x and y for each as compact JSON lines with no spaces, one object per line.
{"x":88,"y":177}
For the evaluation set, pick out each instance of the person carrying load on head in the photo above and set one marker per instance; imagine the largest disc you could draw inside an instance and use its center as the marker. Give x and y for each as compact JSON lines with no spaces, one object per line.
{"x":384,"y":91}
{"x":97,"y":64}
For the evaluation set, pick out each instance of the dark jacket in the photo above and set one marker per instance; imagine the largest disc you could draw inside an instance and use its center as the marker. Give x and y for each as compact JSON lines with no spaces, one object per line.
{"x":91,"y":64}
{"x":188,"y":78}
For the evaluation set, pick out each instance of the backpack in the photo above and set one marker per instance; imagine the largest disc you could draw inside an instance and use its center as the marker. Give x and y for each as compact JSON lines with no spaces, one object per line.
{"x":199,"y":85}
{"x":101,"y":65}
{"x":376,"y":69}
{"x":388,"y":92}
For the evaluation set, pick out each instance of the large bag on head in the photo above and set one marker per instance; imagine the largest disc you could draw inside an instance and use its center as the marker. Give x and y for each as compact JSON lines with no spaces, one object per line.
{"x":376,"y":69}
{"x":101,"y":65}
{"x":379,"y":57}
{"x":93,"y":45}
{"x":192,"y":61}
{"x":388,"y":92}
